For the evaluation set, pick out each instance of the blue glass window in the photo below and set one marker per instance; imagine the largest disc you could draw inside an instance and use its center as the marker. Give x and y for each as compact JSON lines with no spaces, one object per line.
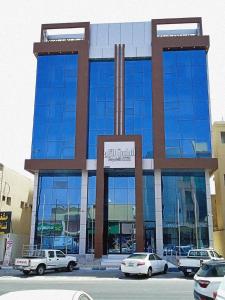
{"x":149,"y":211}
{"x":184,"y":207}
{"x":58,"y":211}
{"x":138,"y":102}
{"x":101,"y":103}
{"x":186,"y":105}
{"x":55,"y":107}
{"x":90,"y":241}
{"x":121,"y":213}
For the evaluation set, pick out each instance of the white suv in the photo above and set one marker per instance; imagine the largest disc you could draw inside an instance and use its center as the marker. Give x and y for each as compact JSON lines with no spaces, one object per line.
{"x":208,"y":279}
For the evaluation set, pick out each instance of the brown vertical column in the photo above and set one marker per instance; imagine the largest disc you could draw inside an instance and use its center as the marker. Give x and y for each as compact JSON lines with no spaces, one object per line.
{"x":100,"y":189}
{"x":119,"y":90}
{"x":116,"y":130}
{"x":99,"y":212}
{"x":157,"y":101}
{"x":122,"y":108}
{"x":139,"y":195}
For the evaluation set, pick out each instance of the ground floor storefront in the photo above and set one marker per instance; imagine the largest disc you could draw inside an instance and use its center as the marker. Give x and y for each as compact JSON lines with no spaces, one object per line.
{"x":173,"y":211}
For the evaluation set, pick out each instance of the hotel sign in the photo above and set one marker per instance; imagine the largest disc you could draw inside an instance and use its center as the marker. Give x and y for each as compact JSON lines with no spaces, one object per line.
{"x":5,"y":222}
{"x":119,"y":155}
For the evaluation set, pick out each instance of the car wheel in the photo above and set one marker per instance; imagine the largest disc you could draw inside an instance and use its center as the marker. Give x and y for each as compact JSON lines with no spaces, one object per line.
{"x":185,"y":273}
{"x":149,"y":274}
{"x":70,"y":267}
{"x":165,"y":269}
{"x":126,"y":274}
{"x":25,"y":272}
{"x":40,"y":270}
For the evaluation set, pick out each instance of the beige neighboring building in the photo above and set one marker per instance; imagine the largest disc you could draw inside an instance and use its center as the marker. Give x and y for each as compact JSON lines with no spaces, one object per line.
{"x":218,"y":200}
{"x":16,"y":193}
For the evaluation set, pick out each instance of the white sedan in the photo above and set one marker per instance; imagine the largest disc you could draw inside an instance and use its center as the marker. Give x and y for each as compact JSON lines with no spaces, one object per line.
{"x":46,"y":294}
{"x":143,"y":263}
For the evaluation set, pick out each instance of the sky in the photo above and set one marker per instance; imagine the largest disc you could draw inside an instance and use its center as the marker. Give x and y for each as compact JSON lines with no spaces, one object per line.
{"x":20,"y":23}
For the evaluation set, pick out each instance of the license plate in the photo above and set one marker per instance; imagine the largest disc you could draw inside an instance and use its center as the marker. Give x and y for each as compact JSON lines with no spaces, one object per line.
{"x":130,"y":265}
{"x":189,"y":270}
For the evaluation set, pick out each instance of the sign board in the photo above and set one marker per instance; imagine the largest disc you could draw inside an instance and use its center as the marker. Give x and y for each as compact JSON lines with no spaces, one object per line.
{"x":5,"y":222}
{"x":8,"y":252}
{"x":119,"y":155}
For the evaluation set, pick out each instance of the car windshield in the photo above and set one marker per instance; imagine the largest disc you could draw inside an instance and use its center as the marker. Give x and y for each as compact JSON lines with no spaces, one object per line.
{"x":212,"y":270}
{"x":138,"y":256}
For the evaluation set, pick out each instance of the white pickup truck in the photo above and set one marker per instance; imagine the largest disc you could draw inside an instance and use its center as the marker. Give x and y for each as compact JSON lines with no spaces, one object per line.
{"x":41,"y":260}
{"x":192,"y":262}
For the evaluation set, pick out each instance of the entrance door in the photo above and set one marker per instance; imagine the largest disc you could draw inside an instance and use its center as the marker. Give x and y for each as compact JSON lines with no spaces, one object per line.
{"x":121,"y":237}
{"x":150,"y":240}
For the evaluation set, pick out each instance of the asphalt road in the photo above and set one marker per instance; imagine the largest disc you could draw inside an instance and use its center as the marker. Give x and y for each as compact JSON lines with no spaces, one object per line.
{"x":103,"y":285}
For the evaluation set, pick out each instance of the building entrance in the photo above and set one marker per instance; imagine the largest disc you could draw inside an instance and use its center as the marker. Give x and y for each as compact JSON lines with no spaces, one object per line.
{"x":121,"y":237}
{"x":120,"y":214}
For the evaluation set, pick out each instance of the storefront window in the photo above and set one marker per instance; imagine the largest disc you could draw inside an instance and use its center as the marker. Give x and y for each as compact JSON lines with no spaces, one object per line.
{"x":58,"y":212}
{"x":184,"y":209}
{"x":149,"y":211}
{"x":90,"y":241}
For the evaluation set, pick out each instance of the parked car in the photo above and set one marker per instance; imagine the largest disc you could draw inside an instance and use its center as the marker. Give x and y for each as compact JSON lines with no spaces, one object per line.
{"x":42,"y":260}
{"x":143,"y":263}
{"x":46,"y":294}
{"x":194,"y":259}
{"x":220,"y":294}
{"x":208,"y":279}
{"x":171,"y":250}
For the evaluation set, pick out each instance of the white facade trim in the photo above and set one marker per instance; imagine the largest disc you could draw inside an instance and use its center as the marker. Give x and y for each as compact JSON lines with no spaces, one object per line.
{"x":158,"y":212}
{"x":147,"y":164}
{"x":209,"y":208}
{"x":83,"y":212}
{"x":34,"y":208}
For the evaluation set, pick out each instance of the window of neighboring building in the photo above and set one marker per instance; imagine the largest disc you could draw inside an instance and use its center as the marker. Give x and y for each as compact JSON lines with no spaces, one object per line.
{"x":224,"y":178}
{"x":8,"y":201}
{"x":223,"y":137}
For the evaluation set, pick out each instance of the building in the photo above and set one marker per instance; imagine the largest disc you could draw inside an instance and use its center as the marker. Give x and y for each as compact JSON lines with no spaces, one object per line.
{"x":121,"y":148}
{"x":16,"y":196}
{"x":218,"y":200}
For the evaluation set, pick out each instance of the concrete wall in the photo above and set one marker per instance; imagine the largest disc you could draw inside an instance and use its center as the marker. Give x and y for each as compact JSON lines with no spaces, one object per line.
{"x":218,"y":200}
{"x":20,"y":190}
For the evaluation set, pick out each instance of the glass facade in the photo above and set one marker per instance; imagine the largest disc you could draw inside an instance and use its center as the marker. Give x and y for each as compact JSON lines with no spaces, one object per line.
{"x":138,"y":102}
{"x":184,"y":210}
{"x":121,"y":214}
{"x":149,"y":211}
{"x":90,"y":241}
{"x":58,"y":212}
{"x":55,"y":107}
{"x":101,"y":103}
{"x":186,"y":104}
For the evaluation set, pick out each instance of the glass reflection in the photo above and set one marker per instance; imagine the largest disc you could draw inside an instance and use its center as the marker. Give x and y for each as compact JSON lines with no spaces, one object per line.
{"x":138,"y":102}
{"x":90,"y":241}
{"x":185,"y":223}
{"x":55,"y":107}
{"x":186,"y":105}
{"x":58,"y":212}
{"x":101,"y":102}
{"x":121,"y":214}
{"x":149,"y":211}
